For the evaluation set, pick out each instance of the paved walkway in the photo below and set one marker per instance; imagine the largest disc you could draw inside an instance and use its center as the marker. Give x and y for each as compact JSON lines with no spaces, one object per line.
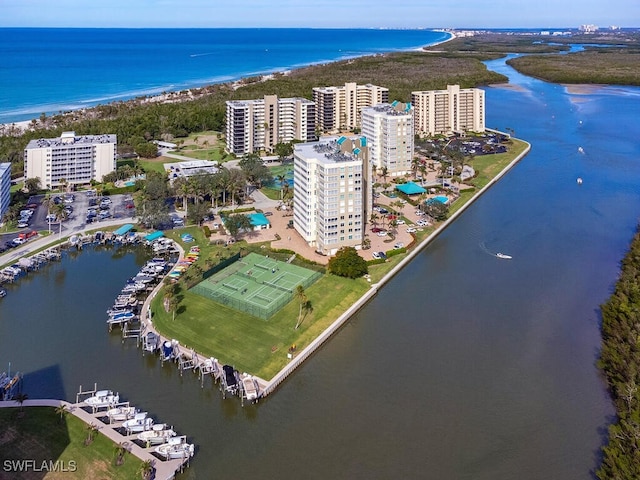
{"x":165,"y":470}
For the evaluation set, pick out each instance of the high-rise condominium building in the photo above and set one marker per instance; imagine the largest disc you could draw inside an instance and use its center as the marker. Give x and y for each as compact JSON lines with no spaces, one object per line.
{"x":70,"y":159}
{"x":450,"y":110}
{"x":255,"y":125}
{"x":5,"y":188}
{"x":332,"y":192}
{"x":389,"y":132}
{"x":340,"y":108}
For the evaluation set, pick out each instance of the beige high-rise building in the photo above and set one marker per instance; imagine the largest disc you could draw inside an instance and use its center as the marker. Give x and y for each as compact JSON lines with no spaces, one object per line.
{"x":448,"y":111}
{"x":255,"y":125}
{"x":71,"y":159}
{"x":389,"y":132}
{"x":332,"y":194}
{"x":340,"y":108}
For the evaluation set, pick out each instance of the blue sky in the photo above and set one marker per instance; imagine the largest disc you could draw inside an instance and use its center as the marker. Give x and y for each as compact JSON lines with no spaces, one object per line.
{"x":319,"y":13}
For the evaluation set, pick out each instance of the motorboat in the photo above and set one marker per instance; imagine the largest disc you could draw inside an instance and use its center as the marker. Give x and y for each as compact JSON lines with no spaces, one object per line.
{"x":151,"y":342}
{"x":121,"y":317}
{"x":122,"y":413}
{"x":504,"y":256}
{"x":229,"y":380}
{"x":139,"y":423}
{"x":102,"y":399}
{"x":176,"y":447}
{"x":159,"y":434}
{"x":249,"y":388}
{"x":3,"y":292}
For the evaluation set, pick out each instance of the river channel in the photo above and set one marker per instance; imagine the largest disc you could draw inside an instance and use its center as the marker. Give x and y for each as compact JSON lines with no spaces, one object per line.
{"x":465,"y":366}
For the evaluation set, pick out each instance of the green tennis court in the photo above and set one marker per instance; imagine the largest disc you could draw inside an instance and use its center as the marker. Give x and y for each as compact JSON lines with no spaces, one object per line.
{"x":256,"y":284}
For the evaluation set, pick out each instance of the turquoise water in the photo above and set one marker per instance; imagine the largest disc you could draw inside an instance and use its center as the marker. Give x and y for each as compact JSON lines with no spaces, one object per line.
{"x":442,"y":199}
{"x":258,"y":219}
{"x":152,"y":61}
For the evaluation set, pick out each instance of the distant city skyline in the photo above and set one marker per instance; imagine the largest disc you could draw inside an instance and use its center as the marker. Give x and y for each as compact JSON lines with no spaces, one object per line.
{"x":459,"y":14}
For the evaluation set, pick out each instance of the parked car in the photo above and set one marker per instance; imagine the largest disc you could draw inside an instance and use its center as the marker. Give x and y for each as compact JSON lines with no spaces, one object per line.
{"x":411,"y":230}
{"x":23,"y":224}
{"x":398,"y":245}
{"x":18,"y":241}
{"x":376,"y":230}
{"x":268,"y":214}
{"x":382,"y":255}
{"x":400,"y":222}
{"x":382,"y":233}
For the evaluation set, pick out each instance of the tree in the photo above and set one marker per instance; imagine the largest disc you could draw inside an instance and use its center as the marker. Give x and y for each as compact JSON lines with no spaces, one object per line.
{"x":92,"y":429}
{"x":147,"y":149}
{"x":305,"y":304}
{"x":62,"y":411}
{"x":120,"y":451}
{"x":33,"y":184}
{"x":347,"y":263}
{"x":21,"y":398}
{"x":254,"y":170}
{"x":284,"y":150}
{"x":237,"y":223}
{"x":436,"y":209}
{"x":146,"y":470}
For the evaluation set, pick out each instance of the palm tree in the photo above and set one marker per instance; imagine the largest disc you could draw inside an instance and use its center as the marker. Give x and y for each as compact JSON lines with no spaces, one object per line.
{"x":384,"y":172}
{"x":283,"y":181}
{"x":92,"y":428}
{"x":171,"y":302}
{"x":20,"y":398}
{"x":146,"y":469}
{"x":61,"y":214}
{"x":62,"y":411}
{"x":374,"y":218}
{"x":302,"y":298}
{"x":120,"y":450}
{"x":181,"y":187}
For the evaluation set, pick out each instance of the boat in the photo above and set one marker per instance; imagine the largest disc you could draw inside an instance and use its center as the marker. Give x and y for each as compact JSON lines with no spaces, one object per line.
{"x":139,"y":423}
{"x":503,"y":255}
{"x":579,"y":181}
{"x":3,"y":292}
{"x":120,"y":317}
{"x":159,"y":434}
{"x":102,"y":399}
{"x":176,"y":447}
{"x":122,"y":413}
{"x":249,"y":388}
{"x":151,"y":342}
{"x":580,"y":149}
{"x":229,"y":380}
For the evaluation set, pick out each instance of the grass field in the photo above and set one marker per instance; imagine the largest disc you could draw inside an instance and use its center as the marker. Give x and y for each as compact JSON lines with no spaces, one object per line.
{"x":251,"y":344}
{"x":256,"y":284}
{"x":40,"y":434}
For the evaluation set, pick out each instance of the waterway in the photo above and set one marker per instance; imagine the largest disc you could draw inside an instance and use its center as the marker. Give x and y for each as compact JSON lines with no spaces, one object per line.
{"x":465,"y":366}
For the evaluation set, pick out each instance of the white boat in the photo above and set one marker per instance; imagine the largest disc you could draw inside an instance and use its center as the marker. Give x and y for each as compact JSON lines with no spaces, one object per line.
{"x":249,"y":388}
{"x":120,"y":414}
{"x":159,"y":434}
{"x":503,"y":255}
{"x":151,"y":342}
{"x":102,"y":399}
{"x":120,"y":317}
{"x":580,"y":149}
{"x":3,"y":292}
{"x":139,"y":423}
{"x":176,"y":447}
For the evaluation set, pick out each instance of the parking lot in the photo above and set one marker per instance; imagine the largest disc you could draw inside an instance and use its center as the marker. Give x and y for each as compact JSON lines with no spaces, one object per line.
{"x":83,"y":208}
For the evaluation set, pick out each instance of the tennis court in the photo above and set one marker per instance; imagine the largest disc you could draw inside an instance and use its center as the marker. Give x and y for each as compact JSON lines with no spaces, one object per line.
{"x":256,"y":284}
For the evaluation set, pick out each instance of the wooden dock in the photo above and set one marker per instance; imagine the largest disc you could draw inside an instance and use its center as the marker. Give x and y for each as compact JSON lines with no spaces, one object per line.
{"x":164,"y":469}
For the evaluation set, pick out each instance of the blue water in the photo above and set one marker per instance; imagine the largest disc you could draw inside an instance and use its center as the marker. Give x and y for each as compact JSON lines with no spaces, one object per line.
{"x":51,"y":70}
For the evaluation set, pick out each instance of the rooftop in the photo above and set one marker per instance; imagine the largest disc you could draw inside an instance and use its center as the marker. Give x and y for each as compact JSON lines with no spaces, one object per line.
{"x":70,"y":138}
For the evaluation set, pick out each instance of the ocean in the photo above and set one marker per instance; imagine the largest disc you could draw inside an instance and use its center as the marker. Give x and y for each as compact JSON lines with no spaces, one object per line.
{"x":52,"y":70}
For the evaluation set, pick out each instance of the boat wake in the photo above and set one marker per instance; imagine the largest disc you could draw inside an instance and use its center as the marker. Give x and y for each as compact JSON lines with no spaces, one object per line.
{"x":504,"y":256}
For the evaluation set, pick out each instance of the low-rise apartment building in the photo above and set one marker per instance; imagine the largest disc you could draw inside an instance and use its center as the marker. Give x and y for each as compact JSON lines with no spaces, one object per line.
{"x":70,"y":159}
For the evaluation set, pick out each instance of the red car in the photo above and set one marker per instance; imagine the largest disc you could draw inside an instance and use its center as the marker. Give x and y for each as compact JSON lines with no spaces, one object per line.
{"x":376,"y":229}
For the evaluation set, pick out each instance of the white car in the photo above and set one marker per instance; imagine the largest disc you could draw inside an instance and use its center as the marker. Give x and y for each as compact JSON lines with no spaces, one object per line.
{"x":419,"y":212}
{"x":400,"y":222}
{"x":398,"y":245}
{"x":382,"y":233}
{"x":411,"y":230}
{"x":422,"y":223}
{"x":375,"y":255}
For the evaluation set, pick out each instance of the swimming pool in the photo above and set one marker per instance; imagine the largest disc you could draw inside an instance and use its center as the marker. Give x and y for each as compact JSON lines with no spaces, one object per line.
{"x":442,"y":199}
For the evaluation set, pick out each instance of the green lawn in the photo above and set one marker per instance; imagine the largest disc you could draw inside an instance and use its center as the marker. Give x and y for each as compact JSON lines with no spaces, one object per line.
{"x":488,"y":166}
{"x":155,"y":164}
{"x":249,"y":343}
{"x":40,"y":434}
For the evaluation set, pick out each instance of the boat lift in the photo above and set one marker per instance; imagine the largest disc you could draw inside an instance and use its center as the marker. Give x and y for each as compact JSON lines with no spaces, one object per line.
{"x":210,"y":366}
{"x":229,"y":381}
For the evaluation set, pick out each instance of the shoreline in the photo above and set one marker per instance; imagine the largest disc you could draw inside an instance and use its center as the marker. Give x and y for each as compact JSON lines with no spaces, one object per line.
{"x":19,"y":127}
